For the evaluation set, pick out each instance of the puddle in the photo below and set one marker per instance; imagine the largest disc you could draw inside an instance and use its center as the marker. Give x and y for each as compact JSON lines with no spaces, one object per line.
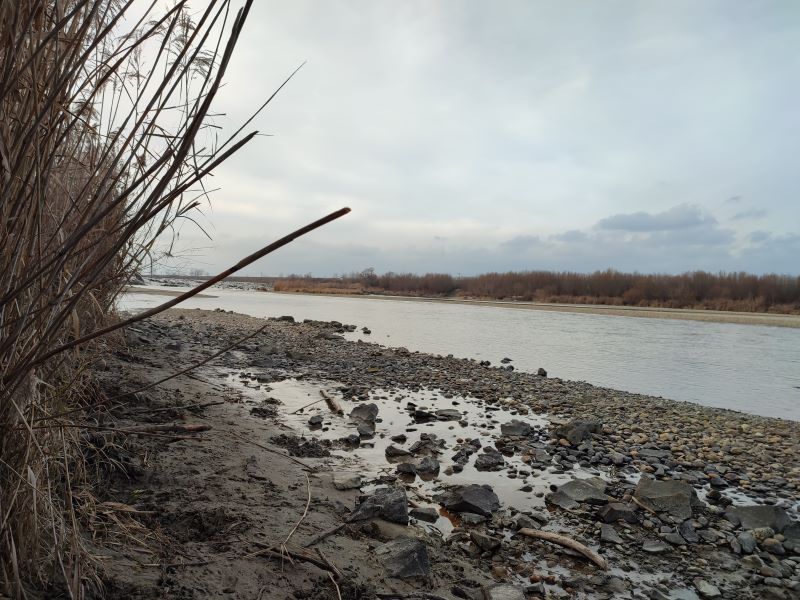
{"x":517,"y":484}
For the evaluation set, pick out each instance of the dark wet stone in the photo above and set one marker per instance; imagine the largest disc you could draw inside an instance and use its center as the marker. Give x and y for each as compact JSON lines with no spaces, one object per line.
{"x":429,"y":515}
{"x":315,"y":421}
{"x":515,"y":427}
{"x":448,"y":414}
{"x":405,"y":558}
{"x":688,"y":532}
{"x":484,"y":542}
{"x":674,"y":539}
{"x":392,"y":451}
{"x":474,"y":498}
{"x":390,"y":504}
{"x":428,"y":465}
{"x":673,"y":496}
{"x":399,"y":439}
{"x":468,"y":518}
{"x":541,"y":372}
{"x":773,"y":546}
{"x":615,"y":511}
{"x":490,"y":461}
{"x":406,"y":468}
{"x":579,"y":430}
{"x":747,"y":542}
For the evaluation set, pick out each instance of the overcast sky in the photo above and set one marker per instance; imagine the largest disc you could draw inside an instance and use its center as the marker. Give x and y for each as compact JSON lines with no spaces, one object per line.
{"x":488,"y":136}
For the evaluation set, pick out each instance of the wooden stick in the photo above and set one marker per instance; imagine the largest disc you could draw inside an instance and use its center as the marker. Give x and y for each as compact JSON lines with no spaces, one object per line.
{"x":294,"y":412}
{"x":332,"y":403}
{"x":318,"y":538}
{"x":562,"y":540}
{"x":273,"y":552}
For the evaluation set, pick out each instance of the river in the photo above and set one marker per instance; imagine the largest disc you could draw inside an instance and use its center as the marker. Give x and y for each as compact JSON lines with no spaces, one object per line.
{"x":749,"y":368}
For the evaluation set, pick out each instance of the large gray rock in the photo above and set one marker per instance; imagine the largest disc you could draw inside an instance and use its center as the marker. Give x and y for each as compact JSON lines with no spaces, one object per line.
{"x":756,"y":517}
{"x":490,"y":460}
{"x":671,"y":496}
{"x":515,"y":427}
{"x":390,"y":504}
{"x":579,"y":430}
{"x":474,"y":498}
{"x":448,"y":414}
{"x":590,"y":490}
{"x":405,"y":558}
{"x":364,"y":415}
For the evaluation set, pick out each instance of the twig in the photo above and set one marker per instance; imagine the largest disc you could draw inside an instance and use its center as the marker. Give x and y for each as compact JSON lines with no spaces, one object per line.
{"x":563,"y":540}
{"x":176,"y":407}
{"x":267,"y":449}
{"x":318,"y":538}
{"x":273,"y":552}
{"x":335,"y":585}
{"x":305,"y":512}
{"x":35,"y":362}
{"x":333,"y":567}
{"x":294,"y":412}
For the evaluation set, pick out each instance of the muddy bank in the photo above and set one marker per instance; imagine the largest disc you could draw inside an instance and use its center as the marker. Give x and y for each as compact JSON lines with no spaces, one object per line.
{"x":657,"y":491}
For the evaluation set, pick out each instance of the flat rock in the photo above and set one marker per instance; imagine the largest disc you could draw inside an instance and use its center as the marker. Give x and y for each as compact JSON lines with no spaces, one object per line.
{"x":515,"y":427}
{"x":706,"y":589}
{"x":503,"y":591}
{"x":485,"y":542}
{"x":405,"y":558}
{"x":474,"y":498}
{"x":579,"y":430}
{"x":448,"y":414}
{"x":579,"y":490}
{"x":365,"y":412}
{"x":616,"y":511}
{"x":387,"y":503}
{"x":756,"y":517}
{"x":672,"y":496}
{"x":489,"y":461}
{"x":609,"y":535}
{"x":392,"y":451}
{"x":346,"y":481}
{"x":654,"y":546}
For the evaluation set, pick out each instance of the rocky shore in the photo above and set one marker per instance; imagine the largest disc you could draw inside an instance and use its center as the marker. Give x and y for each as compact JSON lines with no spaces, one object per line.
{"x":427,"y":476}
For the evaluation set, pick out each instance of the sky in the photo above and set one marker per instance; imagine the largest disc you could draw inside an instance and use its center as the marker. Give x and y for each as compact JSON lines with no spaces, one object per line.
{"x":471,"y":136}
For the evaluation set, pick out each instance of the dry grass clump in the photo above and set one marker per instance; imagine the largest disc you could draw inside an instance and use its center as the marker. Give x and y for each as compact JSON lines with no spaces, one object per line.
{"x":105,"y":137}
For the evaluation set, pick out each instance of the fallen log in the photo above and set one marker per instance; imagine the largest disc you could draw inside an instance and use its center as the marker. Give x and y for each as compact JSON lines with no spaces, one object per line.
{"x":566,"y":542}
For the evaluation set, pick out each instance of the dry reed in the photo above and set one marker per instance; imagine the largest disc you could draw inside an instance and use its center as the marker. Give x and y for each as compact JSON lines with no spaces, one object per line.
{"x":106,"y":135}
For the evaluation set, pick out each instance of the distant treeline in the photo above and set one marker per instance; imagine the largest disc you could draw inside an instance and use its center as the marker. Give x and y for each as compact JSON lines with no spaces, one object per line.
{"x":699,"y":289}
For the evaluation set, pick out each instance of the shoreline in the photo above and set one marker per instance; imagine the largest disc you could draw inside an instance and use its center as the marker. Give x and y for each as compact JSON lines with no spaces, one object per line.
{"x":680,"y":314}
{"x":213,"y":499}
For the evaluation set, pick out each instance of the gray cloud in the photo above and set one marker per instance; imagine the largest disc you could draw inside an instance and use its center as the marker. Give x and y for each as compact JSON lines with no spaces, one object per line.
{"x":753,"y":213}
{"x":683,"y":216}
{"x":463,"y":142}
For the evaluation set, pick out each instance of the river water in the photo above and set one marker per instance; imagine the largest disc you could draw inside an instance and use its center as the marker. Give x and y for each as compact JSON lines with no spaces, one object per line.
{"x":749,"y":368}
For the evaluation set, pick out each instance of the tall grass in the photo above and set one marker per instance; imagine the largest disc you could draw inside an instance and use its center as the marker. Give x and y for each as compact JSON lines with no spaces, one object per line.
{"x":106,"y":136}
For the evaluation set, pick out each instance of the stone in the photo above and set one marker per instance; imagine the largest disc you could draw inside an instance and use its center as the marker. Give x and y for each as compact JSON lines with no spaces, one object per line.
{"x":469,"y":518}
{"x":489,"y":461}
{"x":609,"y":534}
{"x":474,"y":498}
{"x":773,"y":546}
{"x":400,"y":438}
{"x":484,"y":542}
{"x":515,"y":427}
{"x":364,"y":415}
{"x":706,"y":589}
{"x":315,"y":421}
{"x":654,"y":546}
{"x":579,"y":430}
{"x":428,"y":465}
{"x":390,"y":504}
{"x":406,"y":468}
{"x":503,"y":591}
{"x":672,"y":496}
{"x":747,"y":542}
{"x":394,"y":451}
{"x":616,"y":511}
{"x":405,"y":558}
{"x":688,"y":532}
{"x":756,"y":517}
{"x":448,"y":414}
{"x":541,"y":372}
{"x":589,"y":490}
{"x":346,"y":481}
{"x":674,"y":538}
{"x":429,"y":515}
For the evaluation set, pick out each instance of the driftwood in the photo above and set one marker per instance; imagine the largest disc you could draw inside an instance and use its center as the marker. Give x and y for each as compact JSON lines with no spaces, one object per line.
{"x":170,"y":428}
{"x":566,"y":542}
{"x":300,"y":555}
{"x":332,"y":403}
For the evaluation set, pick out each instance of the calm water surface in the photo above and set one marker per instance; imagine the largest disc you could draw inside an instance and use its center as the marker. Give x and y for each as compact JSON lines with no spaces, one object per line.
{"x":750,"y":368}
